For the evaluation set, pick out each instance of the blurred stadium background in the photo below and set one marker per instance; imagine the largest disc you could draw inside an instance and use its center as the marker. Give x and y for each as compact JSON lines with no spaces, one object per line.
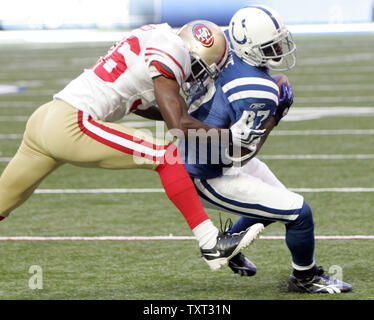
{"x":323,"y":149}
{"x":43,"y":14}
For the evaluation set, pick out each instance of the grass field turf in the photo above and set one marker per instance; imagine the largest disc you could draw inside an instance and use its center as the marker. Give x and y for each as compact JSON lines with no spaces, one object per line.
{"x":174,"y":269}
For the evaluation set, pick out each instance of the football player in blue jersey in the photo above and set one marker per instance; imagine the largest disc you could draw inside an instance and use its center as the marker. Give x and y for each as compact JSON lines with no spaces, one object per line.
{"x":245,"y":92}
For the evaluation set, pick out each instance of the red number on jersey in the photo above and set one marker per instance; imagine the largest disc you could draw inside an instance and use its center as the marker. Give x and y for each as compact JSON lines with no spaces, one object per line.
{"x":113,"y":64}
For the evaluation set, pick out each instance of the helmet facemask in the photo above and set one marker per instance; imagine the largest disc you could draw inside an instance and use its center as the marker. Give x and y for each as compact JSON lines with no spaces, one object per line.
{"x":201,"y":74}
{"x":208,"y":49}
{"x":278,"y":54}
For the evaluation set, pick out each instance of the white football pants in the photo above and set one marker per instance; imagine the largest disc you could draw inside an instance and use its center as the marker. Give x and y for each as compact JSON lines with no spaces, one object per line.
{"x":253,"y":191}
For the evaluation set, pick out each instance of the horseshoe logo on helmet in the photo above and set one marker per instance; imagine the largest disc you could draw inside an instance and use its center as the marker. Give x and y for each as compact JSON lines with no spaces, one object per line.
{"x":244,"y":40}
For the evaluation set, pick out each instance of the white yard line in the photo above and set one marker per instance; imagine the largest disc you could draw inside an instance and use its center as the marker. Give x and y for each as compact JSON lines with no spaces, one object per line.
{"x":317,"y":157}
{"x":312,"y":113}
{"x":160,"y":238}
{"x":322,"y":132}
{"x":160,"y":190}
{"x":14,"y":118}
{"x":141,"y":124}
{"x":98,"y":191}
{"x":331,"y":60}
{"x":340,"y":87}
{"x":20,"y":104}
{"x":150,"y":123}
{"x":282,"y":156}
{"x":327,"y":70}
{"x":11,"y":136}
{"x":334,"y":99}
{"x":306,"y":190}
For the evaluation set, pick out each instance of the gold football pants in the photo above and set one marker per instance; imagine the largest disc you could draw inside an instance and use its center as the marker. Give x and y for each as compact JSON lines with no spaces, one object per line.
{"x":58,"y":133}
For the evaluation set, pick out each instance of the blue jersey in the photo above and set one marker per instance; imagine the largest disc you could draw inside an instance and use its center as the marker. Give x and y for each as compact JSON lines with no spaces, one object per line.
{"x":241,"y":90}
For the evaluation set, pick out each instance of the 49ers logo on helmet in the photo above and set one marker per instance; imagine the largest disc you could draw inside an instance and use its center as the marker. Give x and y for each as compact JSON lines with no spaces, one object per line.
{"x":203,"y":34}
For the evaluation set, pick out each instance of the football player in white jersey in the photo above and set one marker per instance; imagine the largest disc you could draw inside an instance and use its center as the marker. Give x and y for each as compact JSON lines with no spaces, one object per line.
{"x":245,"y":92}
{"x":145,"y":68}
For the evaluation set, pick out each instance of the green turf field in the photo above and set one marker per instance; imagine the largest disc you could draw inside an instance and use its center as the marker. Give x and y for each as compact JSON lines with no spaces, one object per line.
{"x":331,"y":72}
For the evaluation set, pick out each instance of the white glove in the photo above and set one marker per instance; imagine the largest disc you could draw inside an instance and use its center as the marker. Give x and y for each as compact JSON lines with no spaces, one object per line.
{"x":242,"y":136}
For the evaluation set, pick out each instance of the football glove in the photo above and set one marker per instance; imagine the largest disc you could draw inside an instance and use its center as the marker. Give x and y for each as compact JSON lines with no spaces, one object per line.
{"x":252,"y":138}
{"x":242,"y":136}
{"x":285,"y":103}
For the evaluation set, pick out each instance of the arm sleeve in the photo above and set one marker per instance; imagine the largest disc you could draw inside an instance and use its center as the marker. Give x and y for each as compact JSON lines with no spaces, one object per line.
{"x":166,"y":55}
{"x":157,"y":68}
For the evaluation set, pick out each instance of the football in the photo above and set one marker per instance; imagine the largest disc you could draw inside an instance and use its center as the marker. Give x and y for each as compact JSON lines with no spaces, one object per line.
{"x":280,"y":79}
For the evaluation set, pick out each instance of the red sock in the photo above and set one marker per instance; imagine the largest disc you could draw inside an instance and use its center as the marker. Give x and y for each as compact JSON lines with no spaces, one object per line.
{"x":180,"y":188}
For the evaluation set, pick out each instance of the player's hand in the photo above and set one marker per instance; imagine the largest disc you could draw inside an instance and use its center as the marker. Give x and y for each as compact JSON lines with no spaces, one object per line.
{"x":242,"y":136}
{"x":285,"y":102}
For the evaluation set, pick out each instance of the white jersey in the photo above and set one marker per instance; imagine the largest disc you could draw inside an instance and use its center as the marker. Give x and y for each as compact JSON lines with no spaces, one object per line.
{"x":121,"y":81}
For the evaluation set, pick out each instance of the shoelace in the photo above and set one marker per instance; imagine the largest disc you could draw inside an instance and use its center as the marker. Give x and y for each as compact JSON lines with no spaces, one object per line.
{"x":227,"y":226}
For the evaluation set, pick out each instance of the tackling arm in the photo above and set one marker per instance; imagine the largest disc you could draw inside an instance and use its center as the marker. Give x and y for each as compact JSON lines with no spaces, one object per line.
{"x":173,"y":109}
{"x":152,"y":113}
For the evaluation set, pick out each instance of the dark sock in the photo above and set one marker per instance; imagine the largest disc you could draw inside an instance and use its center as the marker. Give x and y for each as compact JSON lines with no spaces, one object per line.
{"x":305,"y":274}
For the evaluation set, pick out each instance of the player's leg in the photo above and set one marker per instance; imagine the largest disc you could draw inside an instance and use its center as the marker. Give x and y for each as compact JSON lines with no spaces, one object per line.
{"x":304,"y":277}
{"x":255,"y":168}
{"x":113,"y":146}
{"x":299,"y":233}
{"x":260,"y":202}
{"x":217,"y":248}
{"x":246,"y":195}
{"x":27,"y":169}
{"x":259,"y":169}
{"x":179,"y":187}
{"x":21,"y":177}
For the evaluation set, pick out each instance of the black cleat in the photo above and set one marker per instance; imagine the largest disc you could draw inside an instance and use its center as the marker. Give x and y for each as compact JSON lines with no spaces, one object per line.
{"x":319,"y":282}
{"x":240,"y":264}
{"x":228,"y":245}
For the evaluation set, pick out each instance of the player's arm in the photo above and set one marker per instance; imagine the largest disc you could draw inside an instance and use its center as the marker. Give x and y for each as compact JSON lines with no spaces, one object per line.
{"x":167,"y":77}
{"x":173,"y":108}
{"x":152,"y":113}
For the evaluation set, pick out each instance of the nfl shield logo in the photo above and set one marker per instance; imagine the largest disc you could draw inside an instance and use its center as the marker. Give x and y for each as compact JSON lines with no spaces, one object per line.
{"x":203,"y":34}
